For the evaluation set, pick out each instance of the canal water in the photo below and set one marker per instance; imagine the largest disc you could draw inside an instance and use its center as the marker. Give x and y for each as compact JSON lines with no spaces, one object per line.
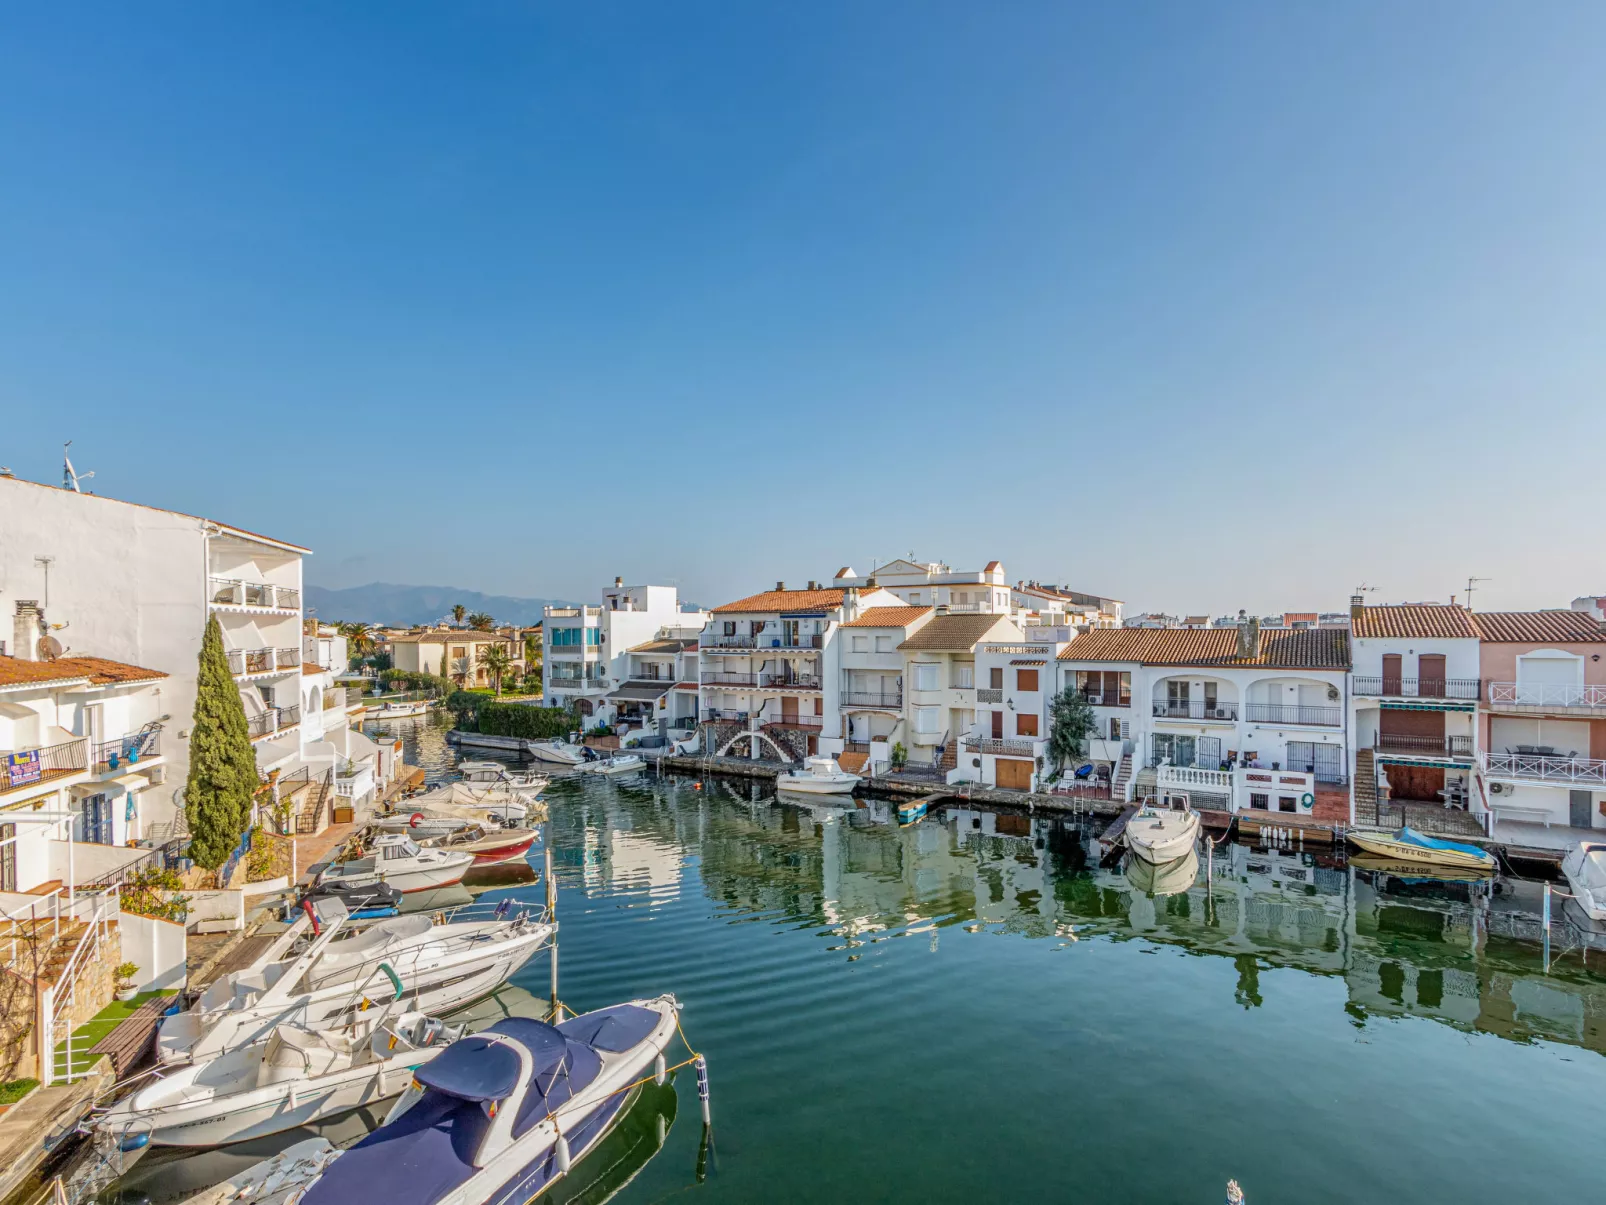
{"x":971,"y":1008}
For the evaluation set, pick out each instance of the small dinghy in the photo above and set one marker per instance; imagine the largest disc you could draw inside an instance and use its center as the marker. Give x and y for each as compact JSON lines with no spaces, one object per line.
{"x":1163,"y":832}
{"x":400,"y":861}
{"x":501,"y":1115}
{"x":619,"y":763}
{"x":1408,"y":845}
{"x":1585,"y":868}
{"x":911,"y":811}
{"x":819,"y":776}
{"x":294,"y":1078}
{"x":559,"y":752}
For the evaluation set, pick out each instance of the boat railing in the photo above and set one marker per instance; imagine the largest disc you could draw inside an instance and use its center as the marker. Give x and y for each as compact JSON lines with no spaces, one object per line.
{"x":506,"y":908}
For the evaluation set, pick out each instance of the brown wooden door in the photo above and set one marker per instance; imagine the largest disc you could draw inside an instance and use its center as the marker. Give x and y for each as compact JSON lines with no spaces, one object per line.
{"x":1420,"y":784}
{"x":1014,"y":773}
{"x":998,"y":725}
{"x":1391,"y":673}
{"x":789,"y":709}
{"x":1430,"y":675}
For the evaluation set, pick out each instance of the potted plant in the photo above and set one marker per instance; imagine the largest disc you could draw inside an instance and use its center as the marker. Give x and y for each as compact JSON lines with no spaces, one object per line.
{"x":126,"y":988}
{"x":900,"y":756}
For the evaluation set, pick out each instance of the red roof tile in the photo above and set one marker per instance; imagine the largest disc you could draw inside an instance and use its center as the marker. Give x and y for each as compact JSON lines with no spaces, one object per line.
{"x":786,"y":600}
{"x":1286,"y":648}
{"x":1539,"y":627}
{"x":98,"y":670}
{"x":1415,"y":620}
{"x":888,"y":617}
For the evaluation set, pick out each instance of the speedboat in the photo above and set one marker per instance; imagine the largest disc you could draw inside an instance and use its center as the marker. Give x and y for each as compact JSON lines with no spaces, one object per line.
{"x":1160,"y":833}
{"x":494,"y":773}
{"x":1585,"y":868}
{"x":296,"y":1077}
{"x":619,"y":763}
{"x":396,"y":711}
{"x":467,"y":801}
{"x":397,"y":859}
{"x":819,"y":776}
{"x":489,"y":848}
{"x":560,"y":752}
{"x":1408,"y":845}
{"x":503,"y":1114}
{"x":473,"y":951}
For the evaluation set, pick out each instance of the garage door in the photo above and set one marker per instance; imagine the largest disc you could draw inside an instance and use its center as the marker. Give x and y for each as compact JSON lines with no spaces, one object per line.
{"x":1014,"y":773}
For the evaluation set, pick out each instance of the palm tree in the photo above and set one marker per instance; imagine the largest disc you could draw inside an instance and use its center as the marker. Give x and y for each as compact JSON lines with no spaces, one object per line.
{"x":458,"y":611}
{"x":359,"y":638}
{"x":481,"y":622}
{"x":496,"y":659}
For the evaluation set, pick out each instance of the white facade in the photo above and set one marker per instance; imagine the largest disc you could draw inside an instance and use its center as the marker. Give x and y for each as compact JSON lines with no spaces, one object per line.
{"x":324,"y":646}
{"x":1052,"y":605}
{"x":923,"y":584}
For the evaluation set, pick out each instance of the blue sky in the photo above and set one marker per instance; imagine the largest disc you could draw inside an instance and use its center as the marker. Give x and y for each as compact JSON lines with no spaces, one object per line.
{"x":1201,"y":305}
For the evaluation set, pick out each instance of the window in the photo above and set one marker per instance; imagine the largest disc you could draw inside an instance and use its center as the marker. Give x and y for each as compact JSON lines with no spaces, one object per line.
{"x":925,"y":675}
{"x":819,"y":706}
{"x":1287,"y":803}
{"x":964,"y":674}
{"x":1025,"y":725}
{"x":925,"y":719}
{"x":1026,"y":679}
{"x":914,"y":596}
{"x":995,"y":677}
{"x":883,"y":644}
{"x":459,"y":651}
{"x":861,"y":644}
{"x":1260,"y":802}
{"x":593,"y":636}
{"x":1115,"y":728}
{"x":962,"y":597}
{"x":729,"y":628}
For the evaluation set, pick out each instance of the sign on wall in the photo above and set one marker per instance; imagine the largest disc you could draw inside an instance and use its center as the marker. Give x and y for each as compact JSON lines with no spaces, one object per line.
{"x":22,"y":768}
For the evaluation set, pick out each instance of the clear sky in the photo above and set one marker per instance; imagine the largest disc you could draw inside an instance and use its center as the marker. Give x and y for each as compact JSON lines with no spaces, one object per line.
{"x":1203,"y":305}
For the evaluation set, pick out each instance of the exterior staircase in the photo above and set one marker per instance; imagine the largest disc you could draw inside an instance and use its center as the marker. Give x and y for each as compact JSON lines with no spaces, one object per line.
{"x":1123,"y":775}
{"x":950,"y":755}
{"x":1365,"y":787}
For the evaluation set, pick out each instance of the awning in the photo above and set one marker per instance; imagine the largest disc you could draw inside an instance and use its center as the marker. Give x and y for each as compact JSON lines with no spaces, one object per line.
{"x":640,"y":692}
{"x":1027,"y":661}
{"x":132,"y":782}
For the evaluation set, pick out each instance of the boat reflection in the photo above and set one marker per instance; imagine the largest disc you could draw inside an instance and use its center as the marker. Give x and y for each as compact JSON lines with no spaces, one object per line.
{"x":1169,"y":878}
{"x":617,"y":1159}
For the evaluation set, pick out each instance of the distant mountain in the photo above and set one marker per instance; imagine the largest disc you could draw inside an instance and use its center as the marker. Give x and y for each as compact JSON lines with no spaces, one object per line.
{"x":382,"y":602}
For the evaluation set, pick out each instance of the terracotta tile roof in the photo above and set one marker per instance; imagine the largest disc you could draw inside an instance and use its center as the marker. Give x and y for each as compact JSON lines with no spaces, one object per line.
{"x":457,"y":635}
{"x":1299,"y":617}
{"x":786,"y":600}
{"x":691,"y":686}
{"x":1539,"y":627}
{"x":953,"y":633}
{"x":1420,"y":620}
{"x":888,"y":617}
{"x":98,"y":670}
{"x":1280,"y":648}
{"x":673,"y":644}
{"x":990,"y":566}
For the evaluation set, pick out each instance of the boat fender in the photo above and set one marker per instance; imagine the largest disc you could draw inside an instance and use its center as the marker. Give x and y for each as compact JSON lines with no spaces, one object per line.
{"x":133,"y":1142}
{"x":1307,"y":800}
{"x":560,"y":1153}
{"x":415,"y":820}
{"x":659,"y":1072}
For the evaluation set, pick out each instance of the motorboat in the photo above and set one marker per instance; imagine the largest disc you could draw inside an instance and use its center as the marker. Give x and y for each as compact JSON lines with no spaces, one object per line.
{"x":362,"y":901}
{"x":470,"y":951}
{"x":278,"y":1180}
{"x":501,"y":1115}
{"x":494,"y":773}
{"x":296,"y":1077}
{"x":1585,"y":869}
{"x":559,"y":752}
{"x":1163,"y":832}
{"x":489,"y":848}
{"x":473,"y":801}
{"x":396,"y":711}
{"x":1408,"y":845}
{"x":819,"y":776}
{"x":619,"y":763}
{"x":397,"y":859}
{"x":1169,"y":878}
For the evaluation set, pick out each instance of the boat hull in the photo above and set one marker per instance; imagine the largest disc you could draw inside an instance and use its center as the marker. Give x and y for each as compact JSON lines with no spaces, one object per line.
{"x":812,"y":784}
{"x":494,"y":854}
{"x":1388,"y":846}
{"x":558,"y":757}
{"x":1165,"y":842}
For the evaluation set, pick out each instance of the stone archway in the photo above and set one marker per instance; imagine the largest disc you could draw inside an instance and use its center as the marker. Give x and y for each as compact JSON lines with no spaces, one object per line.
{"x":781,"y":753}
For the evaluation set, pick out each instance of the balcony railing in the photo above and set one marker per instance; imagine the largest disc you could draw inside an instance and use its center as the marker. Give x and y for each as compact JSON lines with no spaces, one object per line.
{"x":724,"y":715}
{"x":32,"y":766}
{"x":989,"y":694}
{"x":274,"y":719}
{"x":1294,"y":713}
{"x":127,"y":750}
{"x":996,"y":745}
{"x":1424,"y":746}
{"x":1418,"y":688}
{"x":334,"y":698}
{"x":872,"y":698}
{"x":794,"y":721}
{"x":250,"y":661}
{"x":1181,"y":709}
{"x":1112,"y":699}
{"x":289,"y":658}
{"x":1542,"y":768}
{"x":577,"y":684}
{"x":1543,"y":694}
{"x":718,"y":640}
{"x":716,"y":678}
{"x":795,"y":682}
{"x":233,"y":592}
{"x":775,"y":640}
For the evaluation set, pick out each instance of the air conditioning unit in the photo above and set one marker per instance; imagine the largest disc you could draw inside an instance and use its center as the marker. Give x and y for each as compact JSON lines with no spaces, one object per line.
{"x":1497,"y":788}
{"x":157,"y":775}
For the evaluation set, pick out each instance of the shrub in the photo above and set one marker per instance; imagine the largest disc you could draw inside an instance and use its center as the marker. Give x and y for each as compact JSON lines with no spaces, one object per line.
{"x":125,"y":971}
{"x":900,"y":756}
{"x":515,"y":719}
{"x":14,"y":1090}
{"x":153,"y":892}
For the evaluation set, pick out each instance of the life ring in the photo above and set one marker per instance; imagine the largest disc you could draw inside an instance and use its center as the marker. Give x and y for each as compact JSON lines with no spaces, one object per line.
{"x":416,"y":819}
{"x":1307,"y":800}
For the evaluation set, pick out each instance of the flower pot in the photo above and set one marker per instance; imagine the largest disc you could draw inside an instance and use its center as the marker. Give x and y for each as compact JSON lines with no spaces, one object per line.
{"x":126,"y":994}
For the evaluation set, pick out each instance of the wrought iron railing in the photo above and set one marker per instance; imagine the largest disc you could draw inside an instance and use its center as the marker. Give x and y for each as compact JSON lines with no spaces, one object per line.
{"x":795,"y":682}
{"x":1417,"y":688}
{"x":724,"y":715}
{"x":1111,"y":699}
{"x":1204,"y":709}
{"x":798,"y":721}
{"x":127,"y":750}
{"x":718,"y":678}
{"x":1423,"y":746}
{"x":1294,"y":713}
{"x":52,"y":761}
{"x":719,"y":640}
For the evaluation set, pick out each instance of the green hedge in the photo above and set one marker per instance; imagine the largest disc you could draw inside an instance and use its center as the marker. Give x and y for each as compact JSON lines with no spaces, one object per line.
{"x":480,"y":713}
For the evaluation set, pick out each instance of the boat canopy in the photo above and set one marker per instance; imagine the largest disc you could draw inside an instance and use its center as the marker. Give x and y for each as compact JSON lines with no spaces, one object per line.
{"x":475,"y":1068}
{"x":613,"y":1029}
{"x":1411,"y":837}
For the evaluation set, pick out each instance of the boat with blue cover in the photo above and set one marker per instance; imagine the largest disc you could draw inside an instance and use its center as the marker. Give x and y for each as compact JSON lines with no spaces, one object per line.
{"x":1408,"y":845}
{"x":912,"y":810}
{"x":500,"y":1116}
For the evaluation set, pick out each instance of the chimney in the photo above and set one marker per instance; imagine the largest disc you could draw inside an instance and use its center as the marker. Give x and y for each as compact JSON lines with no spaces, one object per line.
{"x":26,"y":629}
{"x":1248,"y":639}
{"x":780,"y":585}
{"x":850,"y":604}
{"x":1452,"y":600}
{"x":618,"y":583}
{"x":1357,"y":604}
{"x":813,"y":585}
{"x":870,"y":583}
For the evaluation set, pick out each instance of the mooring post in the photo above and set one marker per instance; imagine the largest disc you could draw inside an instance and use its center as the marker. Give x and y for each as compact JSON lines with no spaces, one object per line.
{"x":552,"y":919}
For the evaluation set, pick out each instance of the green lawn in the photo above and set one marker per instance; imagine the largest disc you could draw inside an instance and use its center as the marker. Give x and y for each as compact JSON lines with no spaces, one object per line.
{"x":97,"y":1027}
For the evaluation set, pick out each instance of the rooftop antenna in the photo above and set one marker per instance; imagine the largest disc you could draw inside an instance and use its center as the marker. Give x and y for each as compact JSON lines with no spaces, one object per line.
{"x":45,"y":562}
{"x":69,"y":477}
{"x":1470,"y":585}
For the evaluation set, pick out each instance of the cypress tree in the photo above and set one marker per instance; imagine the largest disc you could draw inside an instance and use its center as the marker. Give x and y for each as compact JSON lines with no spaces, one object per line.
{"x":223,"y":768}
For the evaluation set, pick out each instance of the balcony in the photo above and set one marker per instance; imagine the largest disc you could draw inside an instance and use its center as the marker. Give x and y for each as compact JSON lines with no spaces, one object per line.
{"x":274,"y":719}
{"x":127,"y":750}
{"x":1294,"y":713}
{"x":1424,"y":746}
{"x":719,"y":641}
{"x":577,"y":685}
{"x":792,"y":682}
{"x":246,"y":662}
{"x":31,"y":767}
{"x":717,"y":678}
{"x":235,"y":592}
{"x":891,"y":698}
{"x":792,"y":721}
{"x":1587,"y":772}
{"x":989,"y":694}
{"x":724,"y":715}
{"x":1096,"y":699}
{"x":1207,"y":709}
{"x":1001,"y":746}
{"x":1542,"y":694}
{"x":1418,"y":688}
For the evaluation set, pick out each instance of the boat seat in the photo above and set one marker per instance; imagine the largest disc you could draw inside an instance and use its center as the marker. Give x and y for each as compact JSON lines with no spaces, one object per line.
{"x":371,"y":943}
{"x":299,"y":1054}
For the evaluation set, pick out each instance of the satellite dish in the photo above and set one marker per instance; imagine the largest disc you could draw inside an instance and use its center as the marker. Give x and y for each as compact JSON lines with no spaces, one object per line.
{"x":49,"y":648}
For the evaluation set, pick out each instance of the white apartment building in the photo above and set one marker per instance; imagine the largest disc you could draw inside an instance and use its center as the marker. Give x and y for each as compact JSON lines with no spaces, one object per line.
{"x":770,"y":666}
{"x":1008,"y":744}
{"x":941,"y":691}
{"x":323,"y":645}
{"x":1037,"y":603}
{"x":922,"y":584}
{"x":871,"y":693}
{"x":586,"y":650}
{"x":661,"y":687}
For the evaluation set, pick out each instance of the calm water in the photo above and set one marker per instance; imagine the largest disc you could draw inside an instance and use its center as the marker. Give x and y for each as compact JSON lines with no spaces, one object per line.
{"x":971,"y":1009}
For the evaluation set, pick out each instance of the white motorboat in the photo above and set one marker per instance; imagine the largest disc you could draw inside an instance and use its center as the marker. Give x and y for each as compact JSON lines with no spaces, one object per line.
{"x":476,"y":802}
{"x":441,"y":966}
{"x":494,"y":773}
{"x":819,"y":776}
{"x":1585,"y":868}
{"x":396,"y":711}
{"x":1163,"y":832}
{"x":278,"y":1180}
{"x":501,"y":1115}
{"x":560,"y":752}
{"x":619,"y":763}
{"x":397,"y":859}
{"x":294,"y":1078}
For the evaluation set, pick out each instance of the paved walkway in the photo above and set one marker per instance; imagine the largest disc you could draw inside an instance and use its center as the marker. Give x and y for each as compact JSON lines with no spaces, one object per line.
{"x":1537,"y":836}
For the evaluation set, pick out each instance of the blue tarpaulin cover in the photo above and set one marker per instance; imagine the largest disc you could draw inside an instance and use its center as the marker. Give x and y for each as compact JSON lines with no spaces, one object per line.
{"x":617,"y":1028}
{"x":1411,"y":837}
